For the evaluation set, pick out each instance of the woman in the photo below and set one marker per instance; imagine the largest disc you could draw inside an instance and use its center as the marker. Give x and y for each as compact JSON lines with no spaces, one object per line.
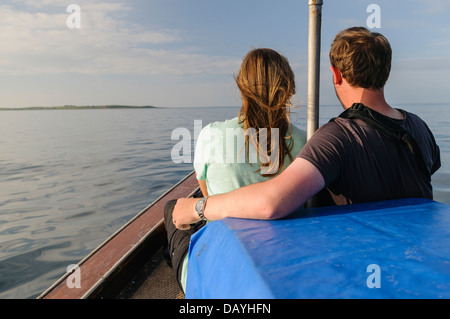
{"x":257,"y":145}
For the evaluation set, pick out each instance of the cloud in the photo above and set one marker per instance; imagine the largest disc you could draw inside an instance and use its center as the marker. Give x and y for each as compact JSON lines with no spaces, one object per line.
{"x":42,"y":3}
{"x":36,"y":40}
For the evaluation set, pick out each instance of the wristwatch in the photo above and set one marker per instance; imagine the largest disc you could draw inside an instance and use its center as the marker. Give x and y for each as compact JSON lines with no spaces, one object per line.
{"x":199,"y":208}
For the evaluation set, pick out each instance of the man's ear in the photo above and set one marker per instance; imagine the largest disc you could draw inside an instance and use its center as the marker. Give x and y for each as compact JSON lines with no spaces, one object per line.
{"x":337,"y":75}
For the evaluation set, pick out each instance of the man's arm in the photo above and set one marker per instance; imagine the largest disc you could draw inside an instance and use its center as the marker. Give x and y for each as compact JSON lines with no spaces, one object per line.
{"x":273,"y":199}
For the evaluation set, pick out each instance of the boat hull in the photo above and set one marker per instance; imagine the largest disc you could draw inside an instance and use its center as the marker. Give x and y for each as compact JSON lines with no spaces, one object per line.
{"x":105,"y":271}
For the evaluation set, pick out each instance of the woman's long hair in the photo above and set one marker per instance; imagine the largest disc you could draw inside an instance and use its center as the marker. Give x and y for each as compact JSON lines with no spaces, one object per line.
{"x":267,"y":85}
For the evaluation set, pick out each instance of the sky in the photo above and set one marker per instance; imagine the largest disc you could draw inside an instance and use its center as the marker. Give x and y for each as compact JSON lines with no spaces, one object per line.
{"x":185,"y":53}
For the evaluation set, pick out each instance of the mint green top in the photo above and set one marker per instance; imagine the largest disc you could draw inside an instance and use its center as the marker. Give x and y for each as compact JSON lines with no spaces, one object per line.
{"x":220,"y":158}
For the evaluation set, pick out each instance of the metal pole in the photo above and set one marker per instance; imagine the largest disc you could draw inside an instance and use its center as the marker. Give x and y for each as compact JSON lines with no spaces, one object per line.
{"x":315,"y":21}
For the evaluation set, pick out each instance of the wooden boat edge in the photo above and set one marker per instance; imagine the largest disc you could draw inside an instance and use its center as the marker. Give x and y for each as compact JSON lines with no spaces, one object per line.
{"x":107,"y":283}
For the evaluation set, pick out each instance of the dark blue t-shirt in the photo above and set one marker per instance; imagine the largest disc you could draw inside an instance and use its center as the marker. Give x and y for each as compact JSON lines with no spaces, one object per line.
{"x":360,"y":164}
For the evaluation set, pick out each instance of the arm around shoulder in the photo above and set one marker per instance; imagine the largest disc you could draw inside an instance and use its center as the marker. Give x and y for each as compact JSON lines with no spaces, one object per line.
{"x":272,"y":199}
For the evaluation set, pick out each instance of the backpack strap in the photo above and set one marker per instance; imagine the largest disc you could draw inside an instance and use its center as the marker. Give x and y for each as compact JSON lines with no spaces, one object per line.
{"x":388,"y":127}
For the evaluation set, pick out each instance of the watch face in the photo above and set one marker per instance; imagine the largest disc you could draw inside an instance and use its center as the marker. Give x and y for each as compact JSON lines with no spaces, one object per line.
{"x":199,"y":205}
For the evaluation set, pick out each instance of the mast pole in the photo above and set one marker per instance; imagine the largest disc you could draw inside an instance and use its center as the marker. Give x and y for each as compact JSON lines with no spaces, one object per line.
{"x":315,"y":21}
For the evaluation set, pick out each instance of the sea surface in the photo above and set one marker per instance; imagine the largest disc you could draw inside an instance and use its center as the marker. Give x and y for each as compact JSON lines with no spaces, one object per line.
{"x":70,"y":178}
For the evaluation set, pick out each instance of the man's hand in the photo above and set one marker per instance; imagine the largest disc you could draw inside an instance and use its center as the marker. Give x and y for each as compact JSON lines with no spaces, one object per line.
{"x":184,"y":213}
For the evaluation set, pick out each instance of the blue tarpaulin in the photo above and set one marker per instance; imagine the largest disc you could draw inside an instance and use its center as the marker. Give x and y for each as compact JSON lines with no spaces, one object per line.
{"x":392,"y":249}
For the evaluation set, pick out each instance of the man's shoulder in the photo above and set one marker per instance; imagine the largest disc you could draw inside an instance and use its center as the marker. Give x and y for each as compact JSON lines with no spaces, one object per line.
{"x":335,"y":132}
{"x":413,"y":118}
{"x":409,"y":116}
{"x":415,"y":124}
{"x":338,"y":125}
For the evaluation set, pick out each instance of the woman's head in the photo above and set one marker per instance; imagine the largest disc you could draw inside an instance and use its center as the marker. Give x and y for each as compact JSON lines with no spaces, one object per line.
{"x":266,"y":81}
{"x":267,"y":85}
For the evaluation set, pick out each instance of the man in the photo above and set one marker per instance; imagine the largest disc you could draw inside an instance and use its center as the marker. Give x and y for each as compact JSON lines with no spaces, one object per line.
{"x":352,"y":157}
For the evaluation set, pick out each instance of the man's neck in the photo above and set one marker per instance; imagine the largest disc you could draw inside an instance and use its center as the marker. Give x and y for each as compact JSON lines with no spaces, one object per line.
{"x":373,"y":99}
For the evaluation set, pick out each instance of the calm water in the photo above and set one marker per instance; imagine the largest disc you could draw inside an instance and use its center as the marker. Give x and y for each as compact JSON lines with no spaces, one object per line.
{"x":71,"y":178}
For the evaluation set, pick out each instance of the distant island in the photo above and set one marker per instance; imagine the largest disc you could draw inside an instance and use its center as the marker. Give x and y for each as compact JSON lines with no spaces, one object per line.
{"x":74,"y":107}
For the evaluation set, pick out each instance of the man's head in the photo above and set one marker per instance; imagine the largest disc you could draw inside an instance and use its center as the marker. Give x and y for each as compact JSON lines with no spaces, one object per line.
{"x":362,"y":57}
